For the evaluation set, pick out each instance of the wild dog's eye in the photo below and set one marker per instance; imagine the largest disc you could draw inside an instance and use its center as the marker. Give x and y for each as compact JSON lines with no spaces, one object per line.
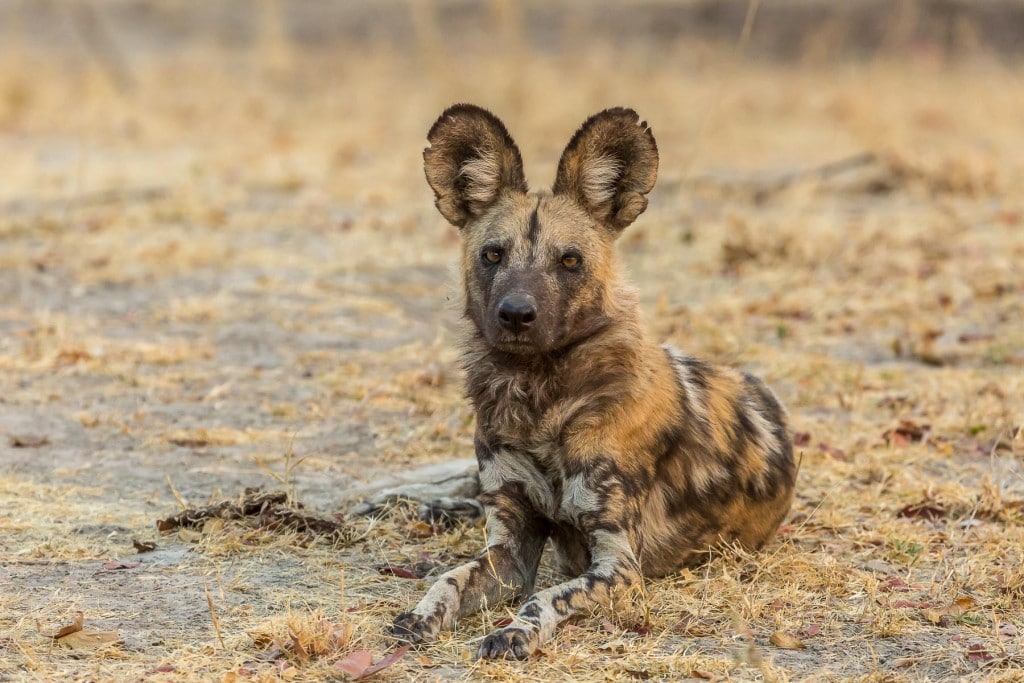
{"x":492,"y":255}
{"x":571,"y":259}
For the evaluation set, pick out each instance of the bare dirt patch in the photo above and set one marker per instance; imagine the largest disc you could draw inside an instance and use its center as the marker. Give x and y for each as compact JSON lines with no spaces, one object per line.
{"x":230,"y":275}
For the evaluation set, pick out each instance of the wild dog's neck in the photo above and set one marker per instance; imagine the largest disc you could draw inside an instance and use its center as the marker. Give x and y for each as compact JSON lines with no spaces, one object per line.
{"x":515,"y":395}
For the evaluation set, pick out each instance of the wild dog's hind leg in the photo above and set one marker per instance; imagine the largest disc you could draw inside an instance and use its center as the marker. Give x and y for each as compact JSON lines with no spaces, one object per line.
{"x":506,"y":569}
{"x":613,"y":568}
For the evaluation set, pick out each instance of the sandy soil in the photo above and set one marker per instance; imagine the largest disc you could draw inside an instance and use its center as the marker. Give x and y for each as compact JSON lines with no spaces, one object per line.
{"x":230,"y":274}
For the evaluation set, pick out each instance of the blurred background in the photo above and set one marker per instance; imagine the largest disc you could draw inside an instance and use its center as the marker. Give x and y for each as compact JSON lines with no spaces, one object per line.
{"x":328,"y":87}
{"x":221,"y":267}
{"x":213,"y":218}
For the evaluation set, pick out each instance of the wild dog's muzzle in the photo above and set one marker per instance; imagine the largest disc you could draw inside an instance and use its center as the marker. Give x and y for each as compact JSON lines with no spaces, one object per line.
{"x":516,"y":312}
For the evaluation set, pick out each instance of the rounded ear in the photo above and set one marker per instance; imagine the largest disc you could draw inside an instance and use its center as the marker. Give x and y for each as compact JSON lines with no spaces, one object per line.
{"x":471,"y":160}
{"x":608,"y":166}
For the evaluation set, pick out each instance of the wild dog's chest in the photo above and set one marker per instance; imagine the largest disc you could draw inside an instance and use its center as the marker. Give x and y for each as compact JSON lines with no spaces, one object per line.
{"x":526,"y":421}
{"x":535,"y":477}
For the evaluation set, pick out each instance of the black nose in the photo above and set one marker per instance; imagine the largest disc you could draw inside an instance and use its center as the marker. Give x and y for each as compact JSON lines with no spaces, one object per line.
{"x":517,"y":312}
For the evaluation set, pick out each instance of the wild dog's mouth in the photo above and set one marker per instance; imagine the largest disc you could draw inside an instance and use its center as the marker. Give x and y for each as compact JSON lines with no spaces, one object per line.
{"x":517,"y":345}
{"x":526,"y":343}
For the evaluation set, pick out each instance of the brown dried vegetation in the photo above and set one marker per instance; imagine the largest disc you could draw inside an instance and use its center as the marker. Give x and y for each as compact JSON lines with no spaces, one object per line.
{"x":227,"y":272}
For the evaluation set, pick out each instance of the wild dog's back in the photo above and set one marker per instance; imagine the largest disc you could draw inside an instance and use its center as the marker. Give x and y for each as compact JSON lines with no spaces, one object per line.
{"x":726,"y":472}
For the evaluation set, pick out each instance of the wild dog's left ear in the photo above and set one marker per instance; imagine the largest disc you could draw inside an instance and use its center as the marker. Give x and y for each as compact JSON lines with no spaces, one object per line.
{"x":608,"y":166}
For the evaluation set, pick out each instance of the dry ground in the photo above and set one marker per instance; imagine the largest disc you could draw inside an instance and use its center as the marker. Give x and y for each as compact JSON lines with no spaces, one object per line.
{"x":231,"y":274}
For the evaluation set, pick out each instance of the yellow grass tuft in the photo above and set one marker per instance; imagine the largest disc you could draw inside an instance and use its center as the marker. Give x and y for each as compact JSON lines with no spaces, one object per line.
{"x":229,"y":274}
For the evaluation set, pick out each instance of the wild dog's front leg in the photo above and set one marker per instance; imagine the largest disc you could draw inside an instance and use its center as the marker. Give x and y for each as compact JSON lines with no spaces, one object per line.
{"x":613,"y":568}
{"x":506,"y":569}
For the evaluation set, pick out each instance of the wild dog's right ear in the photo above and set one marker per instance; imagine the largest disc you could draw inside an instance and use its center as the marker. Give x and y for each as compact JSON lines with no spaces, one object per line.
{"x":608,"y":166}
{"x":471,"y":160}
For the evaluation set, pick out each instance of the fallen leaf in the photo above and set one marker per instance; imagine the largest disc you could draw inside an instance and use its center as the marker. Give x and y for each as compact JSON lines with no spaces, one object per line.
{"x":213,"y":525}
{"x":502,"y":623}
{"x":926,"y":510}
{"x":420,"y":529}
{"x":189,"y":536}
{"x":835,"y":453}
{"x":705,"y":675}
{"x":969,"y":337}
{"x":879,"y":566}
{"x":617,"y":645}
{"x":976,"y":652}
{"x":400,"y":572}
{"x":786,"y":641}
{"x":906,"y":432}
{"x":359,"y":607}
{"x":72,"y":356}
{"x":297,"y":647}
{"x":342,"y":635}
{"x":812,"y":630}
{"x":114,"y":565}
{"x":28,"y":440}
{"x":693,"y":626}
{"x":189,"y":441}
{"x":894,"y":583}
{"x":88,"y":640}
{"x":143,"y":546}
{"x":1007,"y":630}
{"x":641,"y":629}
{"x":387,"y":661}
{"x":74,"y":626}
{"x":1009,"y":217}
{"x":162,"y":669}
{"x":610,"y":627}
{"x":962,"y":604}
{"x":356,"y":663}
{"x":801,"y":439}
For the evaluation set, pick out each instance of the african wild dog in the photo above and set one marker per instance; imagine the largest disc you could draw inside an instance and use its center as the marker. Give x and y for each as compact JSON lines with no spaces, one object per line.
{"x":633,"y":458}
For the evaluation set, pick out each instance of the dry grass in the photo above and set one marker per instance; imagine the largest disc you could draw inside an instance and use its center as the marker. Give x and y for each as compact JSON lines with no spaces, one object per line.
{"x":233,"y":275}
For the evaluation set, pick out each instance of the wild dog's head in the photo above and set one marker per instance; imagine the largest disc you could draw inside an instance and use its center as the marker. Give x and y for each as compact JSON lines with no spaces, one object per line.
{"x":538,"y":268}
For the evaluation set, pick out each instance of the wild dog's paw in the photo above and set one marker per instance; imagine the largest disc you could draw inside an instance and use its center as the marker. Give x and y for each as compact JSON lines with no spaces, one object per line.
{"x":511,"y":642}
{"x":414,"y":628}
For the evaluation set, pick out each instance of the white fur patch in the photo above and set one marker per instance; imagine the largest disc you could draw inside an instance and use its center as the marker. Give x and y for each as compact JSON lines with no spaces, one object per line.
{"x":765,"y":432}
{"x":444,"y":598}
{"x":696,"y":401}
{"x":497,"y":532}
{"x":578,"y":498}
{"x":514,"y":467}
{"x":483,"y":176}
{"x":599,"y":178}
{"x":609,"y":548}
